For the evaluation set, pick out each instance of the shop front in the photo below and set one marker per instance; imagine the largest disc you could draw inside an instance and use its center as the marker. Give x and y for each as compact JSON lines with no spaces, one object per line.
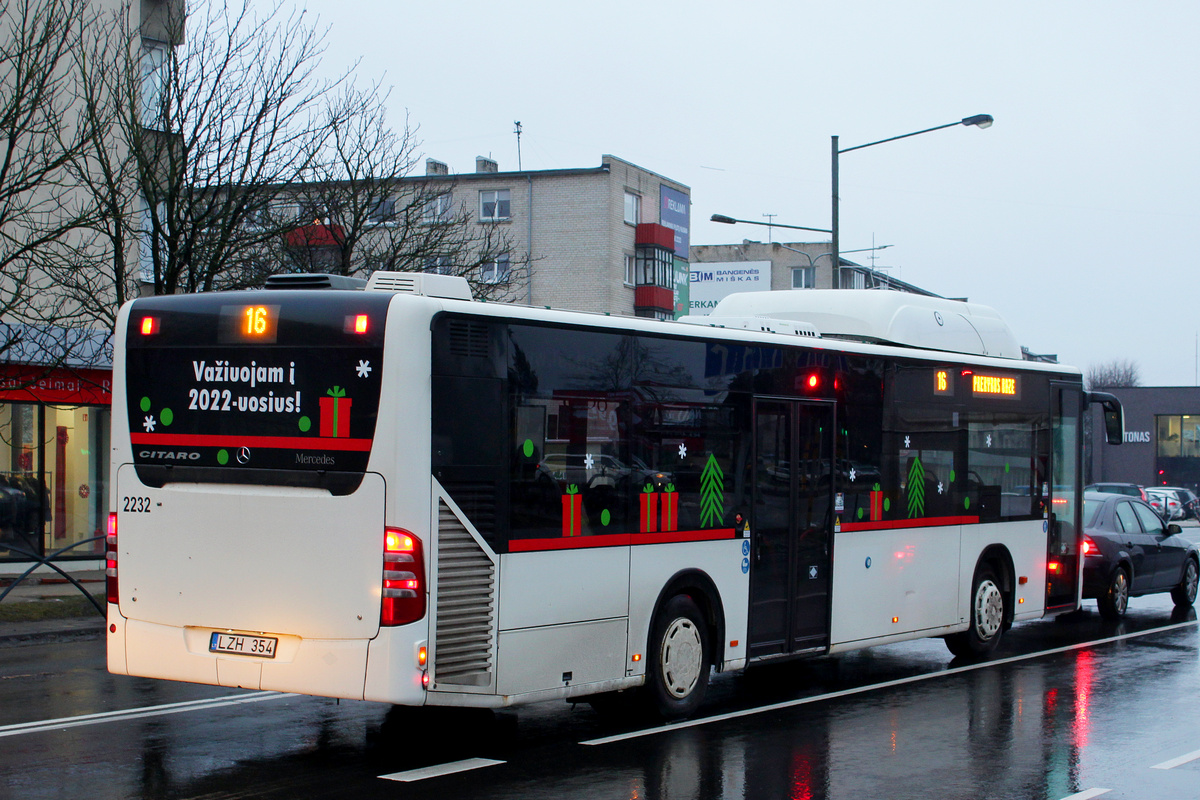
{"x":54,"y":428}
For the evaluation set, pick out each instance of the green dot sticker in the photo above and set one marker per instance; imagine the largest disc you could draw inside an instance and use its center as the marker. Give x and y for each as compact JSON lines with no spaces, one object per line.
{"x":887,"y":504}
{"x":860,"y":513}
{"x":1007,"y":468}
{"x":952,"y":476}
{"x":167,"y":416}
{"x":527,"y":449}
{"x":222,"y":457}
{"x":145,"y":404}
{"x":305,"y":423}
{"x":966,"y":502}
{"x":605,"y":516}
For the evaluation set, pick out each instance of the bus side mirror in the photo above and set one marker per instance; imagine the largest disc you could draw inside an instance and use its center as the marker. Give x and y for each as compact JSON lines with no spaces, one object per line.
{"x":1114,"y":416}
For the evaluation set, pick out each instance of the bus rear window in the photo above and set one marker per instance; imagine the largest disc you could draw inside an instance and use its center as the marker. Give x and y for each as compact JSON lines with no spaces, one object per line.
{"x":255,"y":387}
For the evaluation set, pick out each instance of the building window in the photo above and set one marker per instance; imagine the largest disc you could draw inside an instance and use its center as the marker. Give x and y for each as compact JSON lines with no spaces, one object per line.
{"x":383,"y":212}
{"x":494,"y":205}
{"x":154,"y":65}
{"x":148,"y":243}
{"x":853,"y":279}
{"x":495,"y":271}
{"x":655,"y":267}
{"x":630,"y":261}
{"x":439,"y":265}
{"x":804,"y":277}
{"x":633,"y":208}
{"x":438,"y":209}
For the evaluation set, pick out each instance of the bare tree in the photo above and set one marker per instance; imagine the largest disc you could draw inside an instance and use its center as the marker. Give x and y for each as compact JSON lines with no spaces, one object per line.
{"x":1113,"y":374}
{"x":362,"y":209}
{"x":190,"y":142}
{"x":41,"y":209}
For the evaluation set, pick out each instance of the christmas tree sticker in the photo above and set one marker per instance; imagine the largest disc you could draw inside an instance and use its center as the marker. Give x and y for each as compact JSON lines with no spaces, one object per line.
{"x":916,"y":489}
{"x":712,"y":494}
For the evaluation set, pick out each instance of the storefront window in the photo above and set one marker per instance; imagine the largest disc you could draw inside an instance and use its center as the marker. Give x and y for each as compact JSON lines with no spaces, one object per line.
{"x":53,"y":479}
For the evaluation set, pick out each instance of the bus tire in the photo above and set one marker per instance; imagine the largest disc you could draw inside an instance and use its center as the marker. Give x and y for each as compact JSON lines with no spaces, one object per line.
{"x":680,"y":659}
{"x":987,"y":617}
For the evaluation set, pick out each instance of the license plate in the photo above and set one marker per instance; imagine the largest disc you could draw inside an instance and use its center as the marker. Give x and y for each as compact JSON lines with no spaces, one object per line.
{"x":242,"y":645}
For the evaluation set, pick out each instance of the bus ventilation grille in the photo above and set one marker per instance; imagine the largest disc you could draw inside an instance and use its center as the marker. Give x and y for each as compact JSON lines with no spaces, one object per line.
{"x":468,"y":339}
{"x":466,"y":607}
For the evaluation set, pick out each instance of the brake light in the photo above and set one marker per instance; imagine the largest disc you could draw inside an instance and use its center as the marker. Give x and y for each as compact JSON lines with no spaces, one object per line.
{"x":403,"y":579}
{"x":110,"y":559}
{"x":1054,"y":567}
{"x":149,"y":326}
{"x":1089,"y":548}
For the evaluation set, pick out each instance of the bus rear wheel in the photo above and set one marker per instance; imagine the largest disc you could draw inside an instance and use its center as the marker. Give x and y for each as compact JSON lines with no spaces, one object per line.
{"x":680,"y":659}
{"x":987,"y":618}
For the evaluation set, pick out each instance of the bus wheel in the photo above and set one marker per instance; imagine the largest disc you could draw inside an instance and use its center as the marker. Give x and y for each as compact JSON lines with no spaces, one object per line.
{"x":680,"y":658}
{"x":987,"y":618}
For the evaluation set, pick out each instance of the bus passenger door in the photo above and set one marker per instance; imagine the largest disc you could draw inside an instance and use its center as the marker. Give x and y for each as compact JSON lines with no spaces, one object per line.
{"x":791,"y":528}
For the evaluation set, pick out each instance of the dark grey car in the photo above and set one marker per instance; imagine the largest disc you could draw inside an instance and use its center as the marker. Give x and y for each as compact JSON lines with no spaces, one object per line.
{"x":1129,"y":551}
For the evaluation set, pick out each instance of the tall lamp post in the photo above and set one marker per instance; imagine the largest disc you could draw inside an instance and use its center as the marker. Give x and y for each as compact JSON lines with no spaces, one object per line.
{"x":979,"y":121}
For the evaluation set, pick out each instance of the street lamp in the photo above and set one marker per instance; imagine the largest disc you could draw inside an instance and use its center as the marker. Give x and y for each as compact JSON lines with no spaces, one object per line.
{"x":979,"y":121}
{"x":731,"y":221}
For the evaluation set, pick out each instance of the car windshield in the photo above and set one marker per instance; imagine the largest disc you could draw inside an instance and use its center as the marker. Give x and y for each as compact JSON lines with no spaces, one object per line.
{"x":1090,"y":509}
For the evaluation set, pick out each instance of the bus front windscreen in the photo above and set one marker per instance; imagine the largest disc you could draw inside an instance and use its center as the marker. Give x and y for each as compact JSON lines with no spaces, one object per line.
{"x":277,"y":387}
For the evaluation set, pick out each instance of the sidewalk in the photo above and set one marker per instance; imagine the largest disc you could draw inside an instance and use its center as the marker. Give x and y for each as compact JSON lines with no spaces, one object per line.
{"x":48,"y":606}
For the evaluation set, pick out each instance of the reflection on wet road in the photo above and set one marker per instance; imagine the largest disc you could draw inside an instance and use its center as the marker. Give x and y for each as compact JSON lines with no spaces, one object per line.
{"x":1048,"y":717}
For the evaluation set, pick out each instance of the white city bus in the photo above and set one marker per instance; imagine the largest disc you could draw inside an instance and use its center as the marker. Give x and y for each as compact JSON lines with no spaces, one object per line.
{"x":398,"y":494}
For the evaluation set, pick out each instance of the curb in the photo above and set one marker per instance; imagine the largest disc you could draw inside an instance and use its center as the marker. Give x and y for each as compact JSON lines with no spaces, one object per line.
{"x":16,"y":633}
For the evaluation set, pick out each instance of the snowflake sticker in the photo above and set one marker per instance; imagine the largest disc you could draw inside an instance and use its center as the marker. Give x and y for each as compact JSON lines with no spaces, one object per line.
{"x":588,"y":461}
{"x":907,"y":442}
{"x":941,"y":488}
{"x":853,"y":475}
{"x":682,"y":450}
{"x":364,"y":368}
{"x":149,"y":423}
{"x":989,"y":440}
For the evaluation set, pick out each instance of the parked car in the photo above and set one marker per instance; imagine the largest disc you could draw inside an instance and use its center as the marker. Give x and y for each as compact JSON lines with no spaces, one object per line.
{"x":1131,"y":489}
{"x":1128,"y":551}
{"x":1165,"y":503}
{"x":1188,"y":499}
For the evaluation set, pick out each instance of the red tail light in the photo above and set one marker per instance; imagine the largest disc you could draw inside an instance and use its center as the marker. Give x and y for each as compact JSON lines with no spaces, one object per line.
{"x":403,"y":579}
{"x":1054,"y":567}
{"x":110,"y":559}
{"x":1089,"y":547}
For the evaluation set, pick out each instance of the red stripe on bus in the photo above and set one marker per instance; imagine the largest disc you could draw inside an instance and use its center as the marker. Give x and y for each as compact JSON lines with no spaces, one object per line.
{"x":278,"y":442}
{"x":923,"y":522}
{"x":618,"y":540}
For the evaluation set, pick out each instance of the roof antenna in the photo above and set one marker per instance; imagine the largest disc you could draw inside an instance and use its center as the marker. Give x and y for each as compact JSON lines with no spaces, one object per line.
{"x":518,"y":133}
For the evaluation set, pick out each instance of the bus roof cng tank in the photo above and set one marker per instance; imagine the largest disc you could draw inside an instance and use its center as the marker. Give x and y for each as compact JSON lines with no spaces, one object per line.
{"x":901,"y":318}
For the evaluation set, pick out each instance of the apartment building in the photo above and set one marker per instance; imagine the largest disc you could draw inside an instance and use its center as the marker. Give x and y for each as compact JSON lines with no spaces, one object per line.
{"x":55,"y":382}
{"x":611,"y":238}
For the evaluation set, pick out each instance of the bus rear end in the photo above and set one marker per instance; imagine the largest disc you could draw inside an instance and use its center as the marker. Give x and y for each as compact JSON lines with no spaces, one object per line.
{"x":248,"y":545}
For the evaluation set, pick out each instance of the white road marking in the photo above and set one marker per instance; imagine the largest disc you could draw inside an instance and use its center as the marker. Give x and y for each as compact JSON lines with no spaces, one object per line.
{"x":1087,"y":794}
{"x":1175,"y":762}
{"x":136,"y":713}
{"x":438,"y":770}
{"x":749,"y":712}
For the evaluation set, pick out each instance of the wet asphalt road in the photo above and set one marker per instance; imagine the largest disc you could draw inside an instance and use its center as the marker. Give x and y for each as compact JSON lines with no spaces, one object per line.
{"x":1050,"y":716}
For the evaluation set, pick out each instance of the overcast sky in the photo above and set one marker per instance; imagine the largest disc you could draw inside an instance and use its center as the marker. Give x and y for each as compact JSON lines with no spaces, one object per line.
{"x":1074,"y":215}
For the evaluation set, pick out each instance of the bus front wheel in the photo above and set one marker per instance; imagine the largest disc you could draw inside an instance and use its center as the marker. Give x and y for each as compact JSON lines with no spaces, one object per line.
{"x":680,"y":659}
{"x":987,"y":617}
